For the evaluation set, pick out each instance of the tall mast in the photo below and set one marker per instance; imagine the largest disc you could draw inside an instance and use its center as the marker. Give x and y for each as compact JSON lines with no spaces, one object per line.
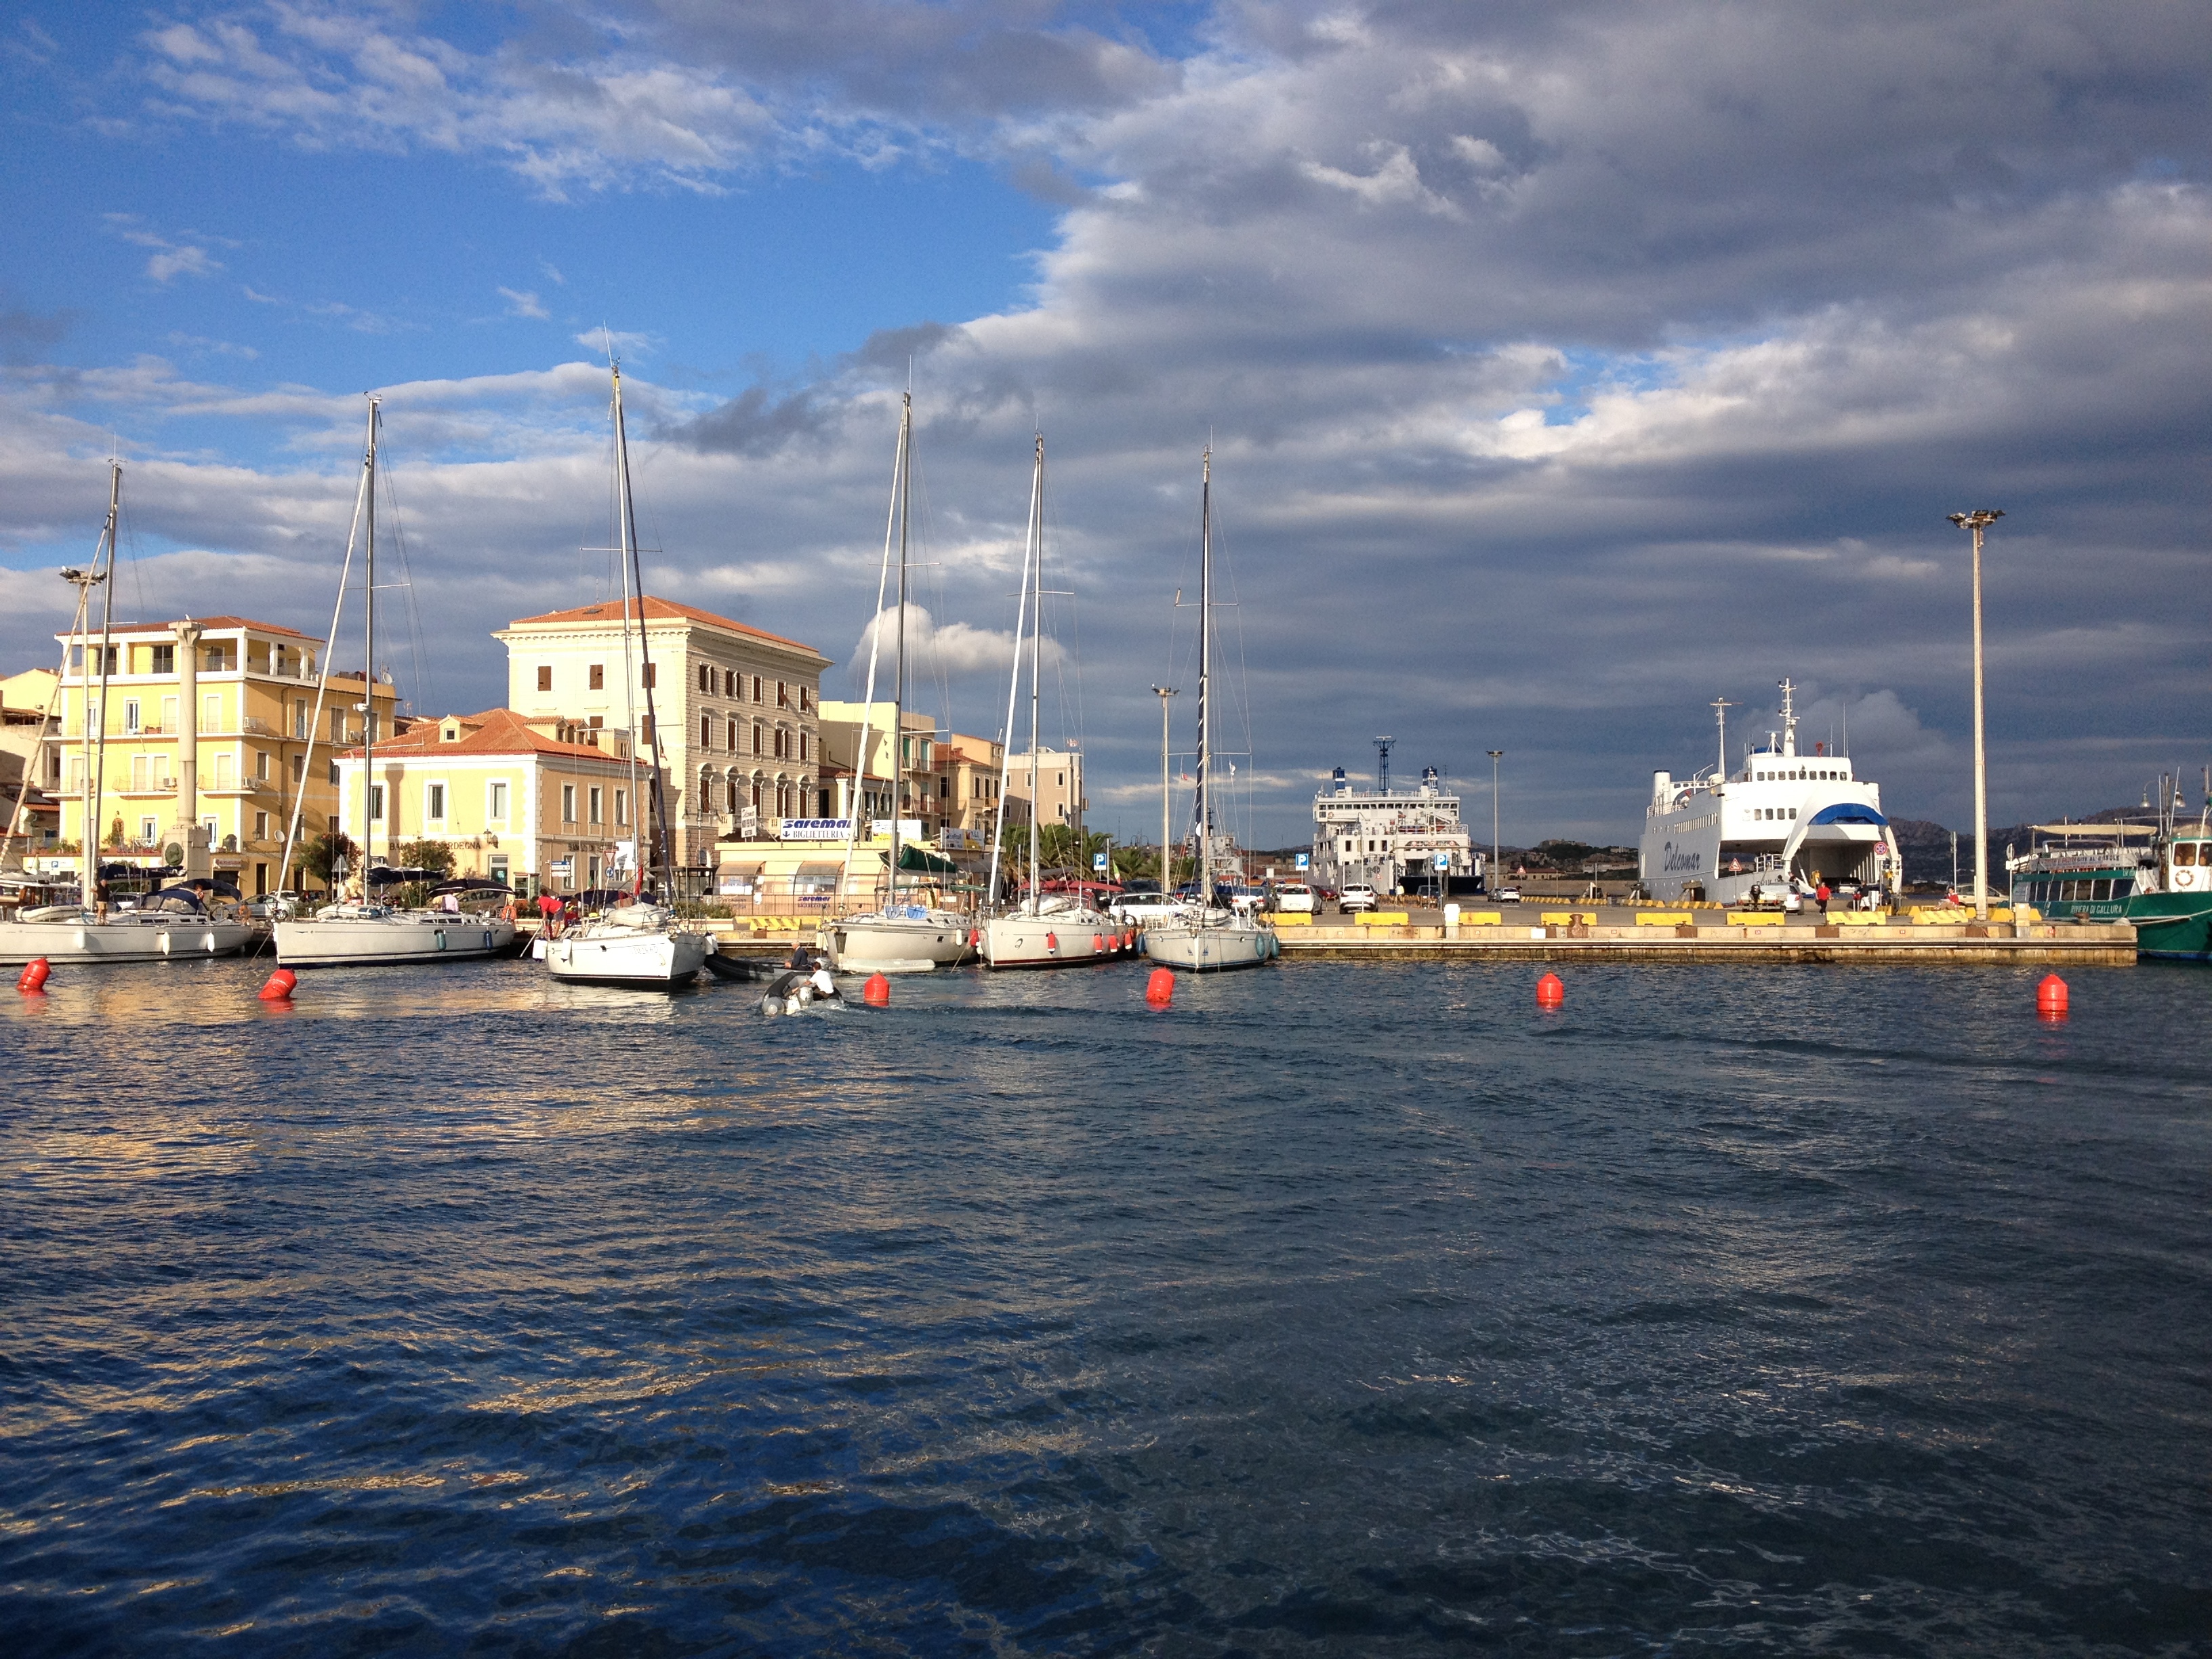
{"x":898,"y":654}
{"x":95,"y":743}
{"x":1014,"y":683}
{"x":369,"y":651}
{"x":1205,"y":681}
{"x":656,"y":816}
{"x":856,"y":803}
{"x":1036,"y":662}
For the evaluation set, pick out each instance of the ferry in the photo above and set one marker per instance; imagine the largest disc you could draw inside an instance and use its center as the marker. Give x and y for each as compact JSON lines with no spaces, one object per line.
{"x":1781,"y":818}
{"x":2155,"y":876}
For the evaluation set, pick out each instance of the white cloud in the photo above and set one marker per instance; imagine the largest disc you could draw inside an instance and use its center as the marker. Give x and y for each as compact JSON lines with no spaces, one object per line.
{"x":524,"y":304}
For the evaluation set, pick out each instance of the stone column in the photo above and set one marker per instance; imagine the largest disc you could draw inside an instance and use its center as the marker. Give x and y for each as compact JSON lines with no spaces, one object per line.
{"x":198,"y":862}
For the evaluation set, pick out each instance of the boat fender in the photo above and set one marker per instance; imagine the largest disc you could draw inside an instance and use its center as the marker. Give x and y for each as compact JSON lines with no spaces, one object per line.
{"x":1097,"y":945}
{"x":1159,"y":988}
{"x":1052,"y":943}
{"x":33,"y":979}
{"x":974,"y":937}
{"x":279,"y":987}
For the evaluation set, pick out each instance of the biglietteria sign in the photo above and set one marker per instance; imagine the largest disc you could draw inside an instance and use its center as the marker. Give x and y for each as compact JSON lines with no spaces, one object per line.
{"x":815,"y":828}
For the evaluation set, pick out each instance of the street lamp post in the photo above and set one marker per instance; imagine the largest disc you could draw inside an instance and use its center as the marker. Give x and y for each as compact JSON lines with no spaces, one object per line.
{"x":1978,"y":521}
{"x":1167,"y":879}
{"x":1496,"y":755}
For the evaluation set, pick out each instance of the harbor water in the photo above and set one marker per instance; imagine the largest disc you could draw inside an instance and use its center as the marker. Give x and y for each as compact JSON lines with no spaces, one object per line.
{"x":1343,"y":1309}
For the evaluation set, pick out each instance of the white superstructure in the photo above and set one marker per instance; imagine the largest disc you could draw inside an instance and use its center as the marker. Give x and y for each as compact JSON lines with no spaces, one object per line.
{"x":1781,"y":817}
{"x":1383,"y":837}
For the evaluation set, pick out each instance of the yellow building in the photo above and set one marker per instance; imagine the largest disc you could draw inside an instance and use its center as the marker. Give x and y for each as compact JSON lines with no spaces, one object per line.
{"x":536,"y":803}
{"x":921,"y":802}
{"x":203,"y":744}
{"x":737,"y":709}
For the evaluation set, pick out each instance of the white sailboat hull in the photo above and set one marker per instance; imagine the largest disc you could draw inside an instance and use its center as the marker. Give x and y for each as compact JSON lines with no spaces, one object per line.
{"x":122,"y":939}
{"x":912,"y":944}
{"x":376,"y":941}
{"x":1050,"y":940}
{"x":1210,"y":944}
{"x":647,"y":961}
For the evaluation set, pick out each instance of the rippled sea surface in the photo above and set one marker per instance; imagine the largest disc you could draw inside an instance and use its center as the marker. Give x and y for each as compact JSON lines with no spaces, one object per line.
{"x":1338,"y":1310}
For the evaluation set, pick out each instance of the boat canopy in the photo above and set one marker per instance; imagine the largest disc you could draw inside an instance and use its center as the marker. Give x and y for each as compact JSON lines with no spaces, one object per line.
{"x":912,"y":857}
{"x":471,"y":885}
{"x":1850,"y":812}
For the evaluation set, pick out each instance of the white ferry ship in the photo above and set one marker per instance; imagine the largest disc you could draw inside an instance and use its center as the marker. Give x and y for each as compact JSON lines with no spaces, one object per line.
{"x":1391,"y":839}
{"x":1783,"y":817}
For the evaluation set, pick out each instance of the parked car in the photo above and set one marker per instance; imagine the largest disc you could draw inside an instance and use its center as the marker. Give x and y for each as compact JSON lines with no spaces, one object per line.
{"x":1143,"y":907}
{"x":1296,"y":897}
{"x":1774,"y":896}
{"x":1507,"y":895}
{"x":1357,"y":895}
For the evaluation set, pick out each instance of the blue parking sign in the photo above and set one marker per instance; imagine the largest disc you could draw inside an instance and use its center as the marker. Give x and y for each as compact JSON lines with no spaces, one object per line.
{"x":1098,"y":861}
{"x":1303,"y":861}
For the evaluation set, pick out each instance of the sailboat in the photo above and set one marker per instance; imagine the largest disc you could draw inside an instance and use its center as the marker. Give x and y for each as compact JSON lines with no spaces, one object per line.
{"x":642,"y":944}
{"x":898,"y":938}
{"x":359,"y":932}
{"x":1042,"y":930}
{"x":1208,"y":935}
{"x":173,"y":925}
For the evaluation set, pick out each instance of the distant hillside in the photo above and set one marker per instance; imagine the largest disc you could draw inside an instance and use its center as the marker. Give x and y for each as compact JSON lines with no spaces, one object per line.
{"x":1927,"y":845}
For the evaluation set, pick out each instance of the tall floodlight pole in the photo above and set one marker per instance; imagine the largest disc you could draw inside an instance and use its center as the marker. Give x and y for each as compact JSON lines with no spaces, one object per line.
{"x":1496,"y":755}
{"x":1978,"y":521}
{"x":1167,"y":864}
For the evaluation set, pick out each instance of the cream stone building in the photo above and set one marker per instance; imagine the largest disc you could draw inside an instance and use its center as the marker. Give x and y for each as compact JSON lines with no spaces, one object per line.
{"x":1059,"y":798}
{"x":207,"y":740}
{"x":971,"y":766}
{"x":536,"y":804}
{"x":735,"y":721}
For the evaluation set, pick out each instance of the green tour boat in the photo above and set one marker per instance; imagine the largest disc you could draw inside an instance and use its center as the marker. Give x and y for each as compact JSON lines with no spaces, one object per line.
{"x":2158,"y":877}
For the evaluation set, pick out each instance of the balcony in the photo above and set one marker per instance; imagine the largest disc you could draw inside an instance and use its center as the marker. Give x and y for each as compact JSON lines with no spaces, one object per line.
{"x":252,"y":786}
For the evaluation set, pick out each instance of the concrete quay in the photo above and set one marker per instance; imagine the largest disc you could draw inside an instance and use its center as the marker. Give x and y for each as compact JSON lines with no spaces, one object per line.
{"x":1708,"y":937}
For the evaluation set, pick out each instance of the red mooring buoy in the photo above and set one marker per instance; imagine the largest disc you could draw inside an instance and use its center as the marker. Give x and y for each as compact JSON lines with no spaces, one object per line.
{"x":279,"y":987}
{"x":34,"y":975}
{"x":877,"y":993}
{"x":1159,"y":988}
{"x":1550,"y":993}
{"x":2050,"y":997}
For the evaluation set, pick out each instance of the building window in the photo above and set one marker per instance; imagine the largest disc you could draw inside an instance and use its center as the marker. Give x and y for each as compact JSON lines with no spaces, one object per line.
{"x":334,"y":773}
{"x":706,"y":677}
{"x":598,"y":798}
{"x":733,"y":734}
{"x":300,"y":718}
{"x":495,"y":803}
{"x":598,"y":677}
{"x":299,"y":769}
{"x":211,"y":712}
{"x":165,"y":660}
{"x":782,"y":696}
{"x":434,"y":802}
{"x":803,"y":705}
{"x":568,"y":803}
{"x":261,"y":826}
{"x":545,"y":676}
{"x":261,"y":764}
{"x":802,"y":746}
{"x":622,"y":806}
{"x":130,"y":717}
{"x":337,"y":725}
{"x":706,"y":731}
{"x":652,"y":676}
{"x":147,"y":830}
{"x":376,"y":803}
{"x":756,"y":738}
{"x":729,"y":682}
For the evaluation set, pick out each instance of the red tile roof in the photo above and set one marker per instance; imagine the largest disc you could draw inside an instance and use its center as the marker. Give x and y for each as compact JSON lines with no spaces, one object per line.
{"x":495,"y":731}
{"x":657,"y":610}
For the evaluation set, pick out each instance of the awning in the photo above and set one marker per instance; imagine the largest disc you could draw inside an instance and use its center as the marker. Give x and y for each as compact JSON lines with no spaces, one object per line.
{"x":919,"y":858}
{"x":1849,"y":811}
{"x":815,"y":877}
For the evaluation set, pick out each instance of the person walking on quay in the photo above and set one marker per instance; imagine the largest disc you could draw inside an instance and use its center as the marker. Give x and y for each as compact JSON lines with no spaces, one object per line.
{"x":1822,"y":893}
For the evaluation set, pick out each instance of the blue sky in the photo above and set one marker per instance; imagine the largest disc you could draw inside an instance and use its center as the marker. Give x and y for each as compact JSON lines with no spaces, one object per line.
{"x":1565,"y":367}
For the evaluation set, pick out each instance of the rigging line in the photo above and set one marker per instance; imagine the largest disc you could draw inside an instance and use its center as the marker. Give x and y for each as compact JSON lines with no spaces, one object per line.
{"x":406,"y":586}
{"x":857,"y":802}
{"x":918,"y":482}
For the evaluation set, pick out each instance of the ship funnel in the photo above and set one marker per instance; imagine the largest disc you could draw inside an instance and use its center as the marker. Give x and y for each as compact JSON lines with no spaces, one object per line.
{"x":1662,"y":786}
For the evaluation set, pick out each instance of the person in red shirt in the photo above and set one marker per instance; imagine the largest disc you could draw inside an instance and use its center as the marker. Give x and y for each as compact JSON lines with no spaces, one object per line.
{"x":1822,"y":895}
{"x":549,"y":907}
